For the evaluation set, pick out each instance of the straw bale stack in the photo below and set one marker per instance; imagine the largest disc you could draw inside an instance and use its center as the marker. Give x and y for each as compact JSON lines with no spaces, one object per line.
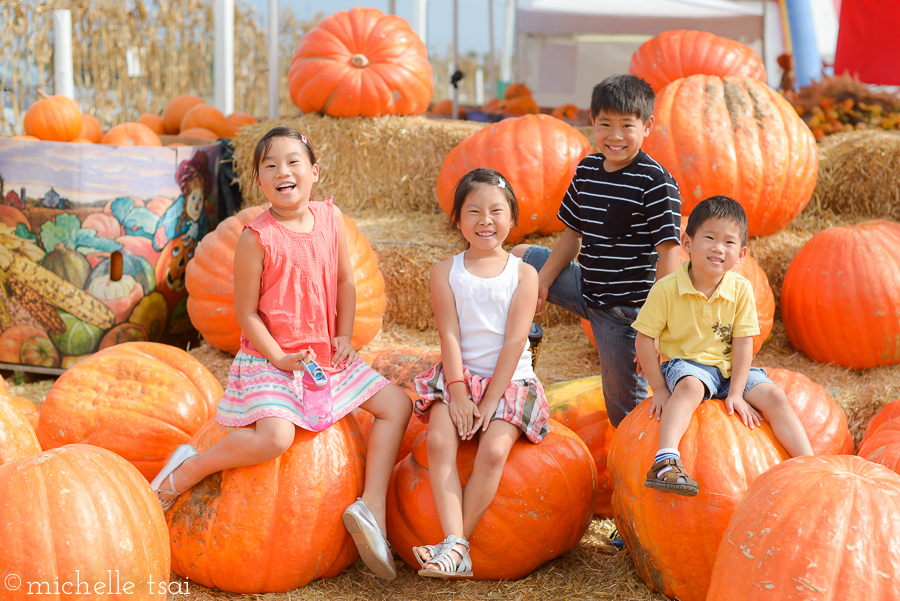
{"x":859,"y":175}
{"x":383,"y":163}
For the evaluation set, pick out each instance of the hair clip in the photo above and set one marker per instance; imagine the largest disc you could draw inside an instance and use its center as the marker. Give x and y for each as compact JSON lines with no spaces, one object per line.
{"x":303,"y":139}
{"x":501,"y":184}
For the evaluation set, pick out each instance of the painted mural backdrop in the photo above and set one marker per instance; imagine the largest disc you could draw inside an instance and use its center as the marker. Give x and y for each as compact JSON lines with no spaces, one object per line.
{"x":65,"y":210}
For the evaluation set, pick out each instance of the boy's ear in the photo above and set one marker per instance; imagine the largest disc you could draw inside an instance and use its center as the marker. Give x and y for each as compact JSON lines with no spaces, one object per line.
{"x":686,"y":243}
{"x":742,"y":254}
{"x":648,"y":125}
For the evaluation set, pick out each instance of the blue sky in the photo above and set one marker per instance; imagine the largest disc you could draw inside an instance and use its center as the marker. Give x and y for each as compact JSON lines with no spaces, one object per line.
{"x":473,"y":18}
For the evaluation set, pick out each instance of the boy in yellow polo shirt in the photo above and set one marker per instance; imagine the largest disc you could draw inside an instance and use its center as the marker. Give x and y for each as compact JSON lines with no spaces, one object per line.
{"x":704,"y":317}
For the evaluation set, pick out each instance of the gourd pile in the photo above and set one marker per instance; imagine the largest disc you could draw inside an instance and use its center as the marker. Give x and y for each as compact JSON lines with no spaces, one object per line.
{"x":763,"y":526}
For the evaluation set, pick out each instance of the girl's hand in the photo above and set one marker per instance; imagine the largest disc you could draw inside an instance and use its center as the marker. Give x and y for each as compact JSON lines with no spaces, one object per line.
{"x":294,"y":361}
{"x":342,"y":349}
{"x":463,"y":413}
{"x":487,"y":410}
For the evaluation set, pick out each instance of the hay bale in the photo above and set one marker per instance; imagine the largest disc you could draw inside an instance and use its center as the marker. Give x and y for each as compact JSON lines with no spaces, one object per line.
{"x":858,"y":175}
{"x":386,"y":163}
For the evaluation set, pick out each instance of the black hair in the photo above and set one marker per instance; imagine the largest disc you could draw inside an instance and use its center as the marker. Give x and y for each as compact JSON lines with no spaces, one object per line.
{"x":473,"y":179}
{"x":623,"y":95}
{"x":265,"y":143}
{"x":721,"y":207}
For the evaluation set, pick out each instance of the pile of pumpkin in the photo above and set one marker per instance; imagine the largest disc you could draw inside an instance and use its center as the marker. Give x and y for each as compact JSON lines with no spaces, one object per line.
{"x":841,"y":103}
{"x":59,"y":119}
{"x":517,"y":100}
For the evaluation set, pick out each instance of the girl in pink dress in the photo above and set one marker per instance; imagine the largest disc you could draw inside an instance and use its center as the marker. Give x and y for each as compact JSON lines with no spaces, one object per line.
{"x":295,"y":300}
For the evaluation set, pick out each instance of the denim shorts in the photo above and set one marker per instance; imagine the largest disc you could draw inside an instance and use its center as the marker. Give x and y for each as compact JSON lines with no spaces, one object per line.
{"x":717,"y":387}
{"x":623,"y":386}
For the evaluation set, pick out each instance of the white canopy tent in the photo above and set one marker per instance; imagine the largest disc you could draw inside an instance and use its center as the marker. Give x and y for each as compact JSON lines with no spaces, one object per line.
{"x":565,"y":47}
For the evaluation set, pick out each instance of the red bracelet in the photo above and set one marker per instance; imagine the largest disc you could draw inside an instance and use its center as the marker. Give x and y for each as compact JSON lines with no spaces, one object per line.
{"x":454,"y":382}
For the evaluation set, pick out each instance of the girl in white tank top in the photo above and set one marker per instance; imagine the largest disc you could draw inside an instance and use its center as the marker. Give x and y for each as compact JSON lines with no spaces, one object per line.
{"x":484,"y":300}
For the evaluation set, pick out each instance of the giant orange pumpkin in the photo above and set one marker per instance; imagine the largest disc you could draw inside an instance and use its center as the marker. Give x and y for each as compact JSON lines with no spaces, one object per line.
{"x":851,"y":266}
{"x":883,"y":446}
{"x":55,"y":118}
{"x":887,"y":413}
{"x":673,"y":539}
{"x":543,"y":505}
{"x":400,"y":365}
{"x":82,"y":519}
{"x":361,"y":62}
{"x":17,"y":438}
{"x":280,"y":519}
{"x":137,"y":399}
{"x":209,"y":280}
{"x":176,"y":109}
{"x":823,"y":420}
{"x":681,"y":53}
{"x":131,"y":134}
{"x":822,"y":528}
{"x":738,"y":137}
{"x":537,"y":154}
{"x":579,"y":405}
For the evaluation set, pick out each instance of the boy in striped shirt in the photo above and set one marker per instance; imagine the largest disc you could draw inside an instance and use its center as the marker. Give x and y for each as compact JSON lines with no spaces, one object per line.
{"x":622,"y":213}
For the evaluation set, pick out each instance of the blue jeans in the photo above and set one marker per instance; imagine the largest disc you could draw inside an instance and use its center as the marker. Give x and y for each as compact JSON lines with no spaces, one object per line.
{"x":717,"y":387}
{"x":623,"y":386}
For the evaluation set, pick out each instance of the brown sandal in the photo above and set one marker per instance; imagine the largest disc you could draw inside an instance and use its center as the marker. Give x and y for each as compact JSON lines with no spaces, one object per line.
{"x":674,"y":480}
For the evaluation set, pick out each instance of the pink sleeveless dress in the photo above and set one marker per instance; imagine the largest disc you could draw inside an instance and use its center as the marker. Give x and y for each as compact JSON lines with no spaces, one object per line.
{"x":297,"y":302}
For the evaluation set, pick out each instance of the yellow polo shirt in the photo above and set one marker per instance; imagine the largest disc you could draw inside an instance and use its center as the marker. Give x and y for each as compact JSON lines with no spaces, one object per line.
{"x":695,"y":328}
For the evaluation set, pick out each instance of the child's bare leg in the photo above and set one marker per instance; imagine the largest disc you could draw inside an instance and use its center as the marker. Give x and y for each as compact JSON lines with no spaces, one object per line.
{"x":271,"y":437}
{"x":786,"y":426}
{"x":676,"y":415}
{"x":443,"y":443}
{"x":392,"y":410}
{"x":494,"y":446}
{"x":519,"y":250}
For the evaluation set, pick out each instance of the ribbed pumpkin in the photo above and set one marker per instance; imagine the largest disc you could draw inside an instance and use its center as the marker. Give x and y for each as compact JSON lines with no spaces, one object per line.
{"x":822,"y":528}
{"x":131,"y":134}
{"x":81,"y":514}
{"x":542,"y":508}
{"x":209,"y":280}
{"x":27,"y":408}
{"x":579,"y":405}
{"x":17,"y":438}
{"x":55,"y":118}
{"x":205,"y":116}
{"x":673,"y":539}
{"x":680,"y":53}
{"x":154,"y":122}
{"x":361,"y":62}
{"x":237,"y":120}
{"x":851,"y":266}
{"x":281,"y":519}
{"x":883,"y":446}
{"x":400,"y":365}
{"x":175,"y":110}
{"x":515,"y":90}
{"x":537,"y":154}
{"x":822,"y":418}
{"x":887,"y":413}
{"x":90,"y":129}
{"x":137,"y":399}
{"x":738,"y":137}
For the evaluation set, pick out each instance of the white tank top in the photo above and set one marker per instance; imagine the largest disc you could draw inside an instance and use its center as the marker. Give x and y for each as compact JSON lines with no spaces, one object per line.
{"x":482,"y":306}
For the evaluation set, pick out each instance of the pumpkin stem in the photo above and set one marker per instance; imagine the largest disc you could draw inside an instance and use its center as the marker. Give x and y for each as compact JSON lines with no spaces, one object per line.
{"x":359,"y":60}
{"x":115,"y":266}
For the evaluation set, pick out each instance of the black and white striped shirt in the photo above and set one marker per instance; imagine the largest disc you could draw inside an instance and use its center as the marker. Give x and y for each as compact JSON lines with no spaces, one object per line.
{"x":622,"y":217}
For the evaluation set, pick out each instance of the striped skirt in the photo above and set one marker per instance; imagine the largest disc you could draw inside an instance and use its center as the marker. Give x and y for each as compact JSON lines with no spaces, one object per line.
{"x":258,"y":389}
{"x":523,"y":405}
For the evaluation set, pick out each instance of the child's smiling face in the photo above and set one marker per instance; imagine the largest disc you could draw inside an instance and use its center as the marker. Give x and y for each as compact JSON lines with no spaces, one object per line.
{"x":485,"y":218}
{"x":715,"y":248}
{"x":619,"y":137}
{"x":286,"y":176}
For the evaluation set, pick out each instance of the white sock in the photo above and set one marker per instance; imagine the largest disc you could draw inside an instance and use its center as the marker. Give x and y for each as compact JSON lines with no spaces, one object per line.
{"x":666,"y":454}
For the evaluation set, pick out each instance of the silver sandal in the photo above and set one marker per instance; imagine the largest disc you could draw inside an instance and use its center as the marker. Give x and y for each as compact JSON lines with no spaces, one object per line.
{"x":434,"y":550}
{"x":448,"y":565}
{"x":179,"y":456}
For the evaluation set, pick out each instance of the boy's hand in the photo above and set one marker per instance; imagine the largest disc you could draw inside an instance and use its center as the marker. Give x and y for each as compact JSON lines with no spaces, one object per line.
{"x":543,"y":291}
{"x":342,"y":349}
{"x":749,"y":415}
{"x":658,"y":401}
